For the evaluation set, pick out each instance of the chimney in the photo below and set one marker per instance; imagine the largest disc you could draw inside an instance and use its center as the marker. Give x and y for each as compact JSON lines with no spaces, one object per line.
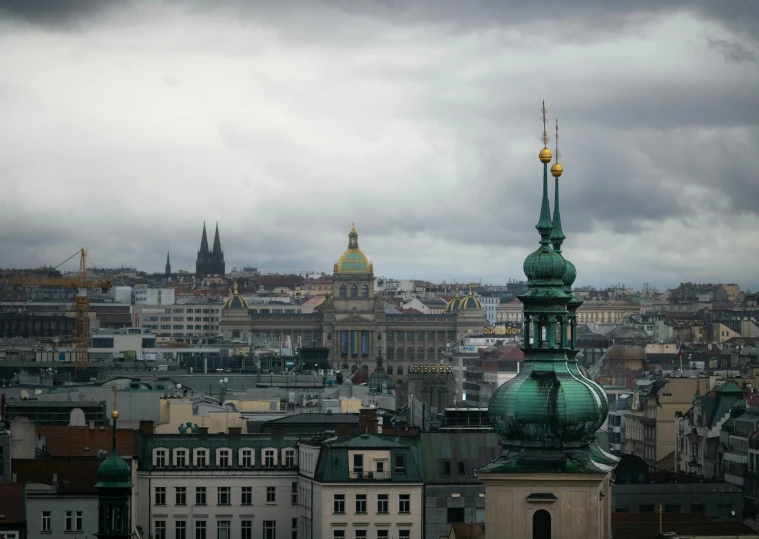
{"x":343,"y":430}
{"x":146,"y":427}
{"x":367,"y":421}
{"x":203,"y":431}
{"x":235,"y":431}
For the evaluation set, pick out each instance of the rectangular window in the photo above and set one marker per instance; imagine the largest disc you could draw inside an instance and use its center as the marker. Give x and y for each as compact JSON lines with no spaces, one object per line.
{"x":271,"y":495}
{"x":671,"y":508}
{"x":404,"y":534}
{"x":200,"y":495}
{"x":160,"y":529}
{"x":269,"y":458}
{"x":180,"y":529}
{"x":160,"y":495}
{"x":404,"y":503}
{"x":223,"y":496}
{"x":246,"y":529}
{"x":180,"y":497}
{"x":360,"y":534}
{"x":290,"y":459}
{"x":223,"y":527}
{"x":338,"y":505}
{"x":462,"y":471}
{"x":46,"y":521}
{"x":400,"y":463}
{"x":270,"y":529}
{"x":339,"y":534}
{"x":247,"y":458}
{"x":78,"y":522}
{"x":200,"y":529}
{"x":358,"y":463}
{"x":181,"y":459}
{"x":645,"y":509}
{"x":201,"y":461}
{"x":224,"y":459}
{"x":697,"y":508}
{"x":160,"y":458}
{"x":360,"y":503}
{"x":410,"y":335}
{"x":382,"y":503}
{"x":294,"y":529}
{"x":447,"y":467}
{"x":294,"y":493}
{"x":247,"y":496}
{"x":382,"y":534}
{"x":380,"y":467}
{"x":455,"y":515}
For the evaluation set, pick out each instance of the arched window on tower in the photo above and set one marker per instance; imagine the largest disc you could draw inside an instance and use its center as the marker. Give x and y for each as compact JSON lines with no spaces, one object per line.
{"x":354,"y":291}
{"x":541,"y":524}
{"x":542,"y":329}
{"x":364,"y":290}
{"x":343,"y":290}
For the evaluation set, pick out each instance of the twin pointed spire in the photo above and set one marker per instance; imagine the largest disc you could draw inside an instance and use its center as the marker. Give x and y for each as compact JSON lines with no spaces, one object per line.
{"x":550,"y":229}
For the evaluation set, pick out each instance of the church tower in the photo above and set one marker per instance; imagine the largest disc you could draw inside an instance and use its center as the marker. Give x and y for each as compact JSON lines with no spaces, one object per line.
{"x":551,"y":480}
{"x":114,"y":494}
{"x":168,"y":265}
{"x":210,"y":262}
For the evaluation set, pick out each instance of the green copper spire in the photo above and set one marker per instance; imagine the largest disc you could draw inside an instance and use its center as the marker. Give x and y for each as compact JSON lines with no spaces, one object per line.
{"x":557,"y":234}
{"x":547,"y":415}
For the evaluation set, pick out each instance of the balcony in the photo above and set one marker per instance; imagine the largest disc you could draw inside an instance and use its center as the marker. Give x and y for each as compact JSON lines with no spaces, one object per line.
{"x":370,"y":476}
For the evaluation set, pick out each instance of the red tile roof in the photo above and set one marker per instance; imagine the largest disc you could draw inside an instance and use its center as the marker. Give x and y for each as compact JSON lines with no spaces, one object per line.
{"x":74,"y":476}
{"x":468,"y":531}
{"x":12,"y":504}
{"x":65,"y":441}
{"x":646,"y":525}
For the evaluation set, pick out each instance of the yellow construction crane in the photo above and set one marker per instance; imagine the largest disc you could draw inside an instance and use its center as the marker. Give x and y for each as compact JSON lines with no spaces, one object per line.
{"x":81,"y":305}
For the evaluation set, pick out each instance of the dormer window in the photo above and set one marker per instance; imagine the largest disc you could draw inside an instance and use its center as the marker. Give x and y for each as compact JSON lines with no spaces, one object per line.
{"x":180,"y":458}
{"x":223,"y":460}
{"x":160,"y":458}
{"x":269,"y":458}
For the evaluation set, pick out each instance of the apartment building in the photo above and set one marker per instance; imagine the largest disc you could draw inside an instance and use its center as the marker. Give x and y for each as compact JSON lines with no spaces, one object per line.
{"x":366,"y":486}
{"x":188,"y":323}
{"x":218,"y":486}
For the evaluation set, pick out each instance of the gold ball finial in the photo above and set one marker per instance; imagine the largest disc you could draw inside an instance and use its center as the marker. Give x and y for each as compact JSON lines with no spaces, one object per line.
{"x":115,"y":414}
{"x":557,"y":170}
{"x":545,"y":156}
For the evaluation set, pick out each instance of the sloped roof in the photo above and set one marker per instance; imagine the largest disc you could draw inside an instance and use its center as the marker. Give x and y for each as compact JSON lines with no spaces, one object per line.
{"x":646,"y":525}
{"x":468,"y":531}
{"x":74,"y":476}
{"x":297,"y":419}
{"x":13,"y":503}
{"x":66,"y":441}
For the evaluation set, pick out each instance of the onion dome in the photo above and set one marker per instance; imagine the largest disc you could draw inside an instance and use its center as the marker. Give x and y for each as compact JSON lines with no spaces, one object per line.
{"x":545,"y":265}
{"x":353,"y":261}
{"x":454,"y":304}
{"x":114,"y":471}
{"x":470,"y":302}
{"x":235,"y":301}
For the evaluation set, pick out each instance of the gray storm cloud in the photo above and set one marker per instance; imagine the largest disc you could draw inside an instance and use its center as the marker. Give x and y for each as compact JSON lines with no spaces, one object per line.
{"x":127,"y":124}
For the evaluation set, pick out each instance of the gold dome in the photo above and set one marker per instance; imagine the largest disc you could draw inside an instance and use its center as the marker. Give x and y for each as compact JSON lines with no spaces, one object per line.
{"x":545,"y":155}
{"x":556,"y":170}
{"x":353,"y":260}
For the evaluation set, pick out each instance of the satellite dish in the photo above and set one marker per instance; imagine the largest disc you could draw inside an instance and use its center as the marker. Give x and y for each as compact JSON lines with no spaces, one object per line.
{"x":179,"y":386}
{"x":226,"y":379}
{"x":102,"y":454}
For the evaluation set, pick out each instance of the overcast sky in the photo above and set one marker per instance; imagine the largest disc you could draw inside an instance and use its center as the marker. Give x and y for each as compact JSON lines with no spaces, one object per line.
{"x":125,"y":124}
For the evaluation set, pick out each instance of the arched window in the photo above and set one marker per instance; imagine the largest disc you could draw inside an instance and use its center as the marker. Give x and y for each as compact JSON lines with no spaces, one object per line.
{"x":354,"y":291}
{"x":390,"y":371}
{"x":364,"y":290}
{"x":410,"y":353}
{"x":343,"y":290}
{"x":400,"y":353}
{"x":430,"y":353}
{"x":400,"y":373}
{"x":390,"y":352}
{"x":541,"y":524}
{"x":420,"y":354}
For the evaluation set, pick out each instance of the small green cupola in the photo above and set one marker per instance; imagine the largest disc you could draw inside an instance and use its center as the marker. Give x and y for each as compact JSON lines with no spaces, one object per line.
{"x":548,"y":415}
{"x":114,"y":494}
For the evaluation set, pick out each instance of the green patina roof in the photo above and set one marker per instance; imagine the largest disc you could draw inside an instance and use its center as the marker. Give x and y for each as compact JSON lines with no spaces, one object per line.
{"x":114,"y":472}
{"x":333,"y":464}
{"x":354,"y":261}
{"x":474,"y":449}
